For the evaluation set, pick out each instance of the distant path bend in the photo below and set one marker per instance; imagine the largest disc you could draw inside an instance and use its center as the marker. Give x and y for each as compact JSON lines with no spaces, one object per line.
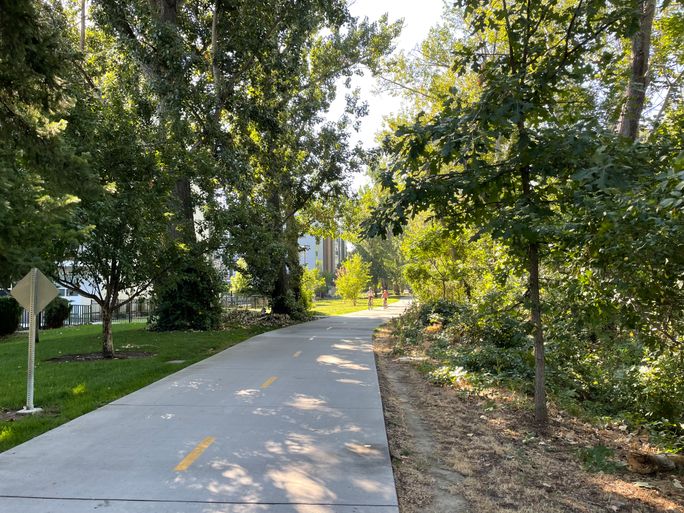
{"x":287,"y":421}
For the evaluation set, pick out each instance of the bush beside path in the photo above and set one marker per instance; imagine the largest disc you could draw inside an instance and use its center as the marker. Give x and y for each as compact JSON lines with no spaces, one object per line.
{"x":459,"y":449}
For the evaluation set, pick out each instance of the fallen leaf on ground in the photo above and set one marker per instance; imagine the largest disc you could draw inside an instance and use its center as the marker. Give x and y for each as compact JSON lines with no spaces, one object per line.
{"x":643,"y":484}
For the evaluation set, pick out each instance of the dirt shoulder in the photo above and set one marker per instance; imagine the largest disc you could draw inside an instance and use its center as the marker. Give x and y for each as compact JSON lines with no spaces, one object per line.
{"x":455,"y":452}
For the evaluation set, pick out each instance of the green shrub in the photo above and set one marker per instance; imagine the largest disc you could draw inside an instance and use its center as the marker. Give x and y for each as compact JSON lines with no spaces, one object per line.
{"x":10,"y":315}
{"x":598,"y":459}
{"x":446,"y":375}
{"x":407,"y":328}
{"x":296,"y":307}
{"x":498,"y":363}
{"x":188,"y":298}
{"x":491,"y":346}
{"x":312,"y":281}
{"x":596,"y":366}
{"x":56,"y":312}
{"x":660,"y":388}
{"x":440,"y":311}
{"x":504,"y":331}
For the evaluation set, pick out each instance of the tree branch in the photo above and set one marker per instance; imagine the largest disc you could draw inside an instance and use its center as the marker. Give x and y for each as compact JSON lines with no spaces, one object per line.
{"x":658,"y":119}
{"x":409,"y":88}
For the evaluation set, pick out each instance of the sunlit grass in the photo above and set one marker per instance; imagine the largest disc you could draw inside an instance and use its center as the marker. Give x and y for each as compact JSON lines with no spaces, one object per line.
{"x":341,"y":306}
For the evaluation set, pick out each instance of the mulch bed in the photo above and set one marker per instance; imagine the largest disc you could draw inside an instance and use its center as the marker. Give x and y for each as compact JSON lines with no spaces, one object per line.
{"x":92,"y":357}
{"x":8,"y":416}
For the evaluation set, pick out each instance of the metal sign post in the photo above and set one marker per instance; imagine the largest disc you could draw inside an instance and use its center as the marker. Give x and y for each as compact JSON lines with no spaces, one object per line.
{"x":34,"y":291}
{"x":29,"y":408}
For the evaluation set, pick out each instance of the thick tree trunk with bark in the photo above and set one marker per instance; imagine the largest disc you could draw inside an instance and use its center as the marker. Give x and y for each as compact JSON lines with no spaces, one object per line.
{"x":638,"y":80}
{"x":287,"y":289}
{"x":293,"y":250}
{"x":167,"y":9}
{"x":289,"y":280}
{"x":107,"y":340}
{"x":184,"y":226}
{"x":279,"y":295}
{"x":280,"y":285}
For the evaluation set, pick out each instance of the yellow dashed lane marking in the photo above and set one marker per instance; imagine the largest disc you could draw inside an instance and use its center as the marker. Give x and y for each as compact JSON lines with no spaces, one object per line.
{"x":269,"y":382}
{"x":297,"y":354}
{"x":194,"y":454}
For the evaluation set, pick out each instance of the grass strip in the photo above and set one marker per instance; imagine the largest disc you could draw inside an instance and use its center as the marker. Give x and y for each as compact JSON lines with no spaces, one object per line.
{"x":342,"y":306}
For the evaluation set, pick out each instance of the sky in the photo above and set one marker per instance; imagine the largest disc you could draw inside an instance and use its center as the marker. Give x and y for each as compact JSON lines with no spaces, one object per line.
{"x":419,"y":16}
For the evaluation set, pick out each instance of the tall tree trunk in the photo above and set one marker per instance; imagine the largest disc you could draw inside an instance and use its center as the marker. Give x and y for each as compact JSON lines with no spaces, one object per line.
{"x":83,"y":25}
{"x":168,"y":10}
{"x":468,"y":290}
{"x":185,"y":228}
{"x":540,"y":410}
{"x":280,"y":285}
{"x":167,"y":13}
{"x":638,"y":80}
{"x":295,"y":269}
{"x":107,"y":340}
{"x":215,"y":69}
{"x":107,"y":307}
{"x":279,"y":296}
{"x":671,"y":88}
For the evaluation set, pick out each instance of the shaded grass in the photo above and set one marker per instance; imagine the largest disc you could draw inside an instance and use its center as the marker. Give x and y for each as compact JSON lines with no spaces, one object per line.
{"x":66,"y":390}
{"x":341,"y":306}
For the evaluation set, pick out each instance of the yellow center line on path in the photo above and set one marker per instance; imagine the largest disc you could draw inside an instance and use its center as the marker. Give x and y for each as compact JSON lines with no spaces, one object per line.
{"x":297,"y":354}
{"x":194,"y":454}
{"x":269,"y":382}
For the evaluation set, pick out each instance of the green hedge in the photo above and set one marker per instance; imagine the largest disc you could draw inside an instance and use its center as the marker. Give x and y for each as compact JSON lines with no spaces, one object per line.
{"x":188,"y":298}
{"x":10,"y":315}
{"x":56,"y":312}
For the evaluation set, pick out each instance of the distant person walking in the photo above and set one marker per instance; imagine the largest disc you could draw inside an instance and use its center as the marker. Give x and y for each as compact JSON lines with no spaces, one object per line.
{"x":371,"y":295}
{"x":385,"y":296}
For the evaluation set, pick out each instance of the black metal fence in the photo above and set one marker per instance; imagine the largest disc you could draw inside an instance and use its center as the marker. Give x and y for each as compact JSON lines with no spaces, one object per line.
{"x":139,"y":310}
{"x":231,"y":300}
{"x":135,"y":311}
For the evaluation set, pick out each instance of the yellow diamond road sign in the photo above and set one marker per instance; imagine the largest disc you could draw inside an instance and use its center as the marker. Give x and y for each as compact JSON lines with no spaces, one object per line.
{"x":45,"y":291}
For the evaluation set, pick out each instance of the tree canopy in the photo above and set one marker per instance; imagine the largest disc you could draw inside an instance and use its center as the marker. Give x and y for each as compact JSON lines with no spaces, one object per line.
{"x":42,"y":177}
{"x":525,"y":146}
{"x":142,"y":142}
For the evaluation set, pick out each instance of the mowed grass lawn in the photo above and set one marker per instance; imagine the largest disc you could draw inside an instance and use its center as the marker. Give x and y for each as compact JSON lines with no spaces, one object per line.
{"x":341,"y":306}
{"x":66,"y":390}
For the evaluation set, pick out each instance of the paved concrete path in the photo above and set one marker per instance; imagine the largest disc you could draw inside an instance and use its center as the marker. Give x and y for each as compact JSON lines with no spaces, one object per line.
{"x":288,"y":421}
